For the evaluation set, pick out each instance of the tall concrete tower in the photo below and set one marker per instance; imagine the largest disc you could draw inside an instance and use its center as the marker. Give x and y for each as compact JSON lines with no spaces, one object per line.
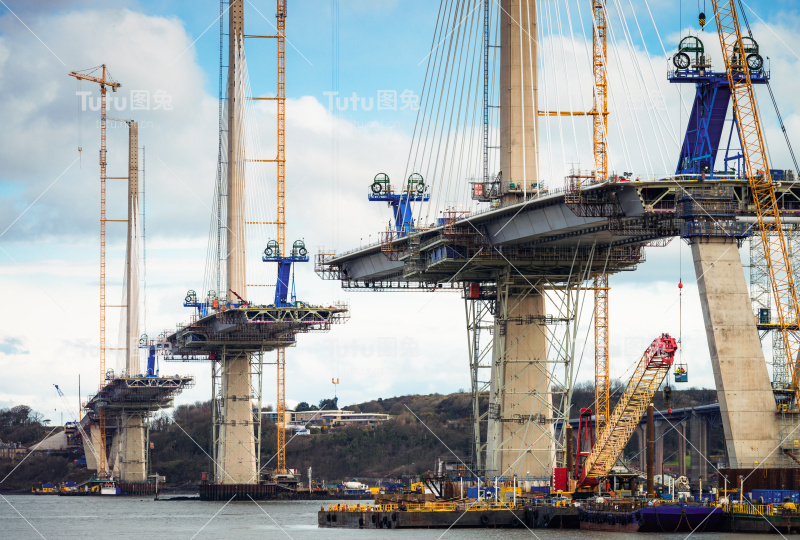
{"x":519,"y":102}
{"x":236,"y":452}
{"x":128,"y":446}
{"x":520,"y":432}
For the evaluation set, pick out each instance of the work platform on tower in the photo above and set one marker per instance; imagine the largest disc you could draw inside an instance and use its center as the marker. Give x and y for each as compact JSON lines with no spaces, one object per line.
{"x":250,"y":328}
{"x":140,"y":392}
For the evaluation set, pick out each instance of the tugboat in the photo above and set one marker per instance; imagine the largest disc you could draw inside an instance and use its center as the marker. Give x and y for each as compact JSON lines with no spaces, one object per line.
{"x":46,"y":488}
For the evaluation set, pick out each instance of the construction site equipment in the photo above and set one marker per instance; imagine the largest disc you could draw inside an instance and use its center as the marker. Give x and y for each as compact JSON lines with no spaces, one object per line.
{"x":415,"y":190}
{"x":638,"y":394}
{"x":681,"y":373}
{"x":703,"y":136}
{"x":381,"y":183}
{"x":585,"y":439}
{"x":754,"y":151}
{"x":104,"y":81}
{"x":690,"y":45}
{"x":273,"y":254}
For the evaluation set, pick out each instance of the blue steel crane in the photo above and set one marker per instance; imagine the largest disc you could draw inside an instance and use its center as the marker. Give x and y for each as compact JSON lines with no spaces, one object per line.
{"x":272,"y":253}
{"x":712,"y":99}
{"x":415,"y":190}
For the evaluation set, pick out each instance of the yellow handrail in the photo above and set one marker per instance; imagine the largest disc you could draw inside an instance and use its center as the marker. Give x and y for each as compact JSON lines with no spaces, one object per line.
{"x":749,"y":509}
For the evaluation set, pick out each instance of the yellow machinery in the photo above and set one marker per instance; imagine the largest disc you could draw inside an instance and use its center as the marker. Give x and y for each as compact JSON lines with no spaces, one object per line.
{"x":104,"y":81}
{"x":648,"y":376}
{"x":599,"y":114}
{"x":734,"y":51}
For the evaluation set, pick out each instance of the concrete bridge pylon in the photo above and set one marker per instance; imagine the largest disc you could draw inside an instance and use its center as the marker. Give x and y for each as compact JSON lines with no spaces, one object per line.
{"x":747,"y":405}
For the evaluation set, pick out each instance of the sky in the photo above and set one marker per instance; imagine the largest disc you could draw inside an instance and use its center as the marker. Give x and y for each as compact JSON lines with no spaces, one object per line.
{"x":166,"y":56}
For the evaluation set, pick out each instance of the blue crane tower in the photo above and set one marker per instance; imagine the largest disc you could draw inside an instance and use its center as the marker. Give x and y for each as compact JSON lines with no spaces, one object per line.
{"x":704,"y":131}
{"x":272,"y":254}
{"x":400,"y":201}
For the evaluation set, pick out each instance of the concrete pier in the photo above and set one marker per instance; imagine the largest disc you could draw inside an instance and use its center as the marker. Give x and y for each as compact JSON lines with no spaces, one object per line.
{"x":129,"y":459}
{"x":520,"y":388}
{"x":682,"y":449}
{"x":698,"y":436}
{"x":745,"y":395}
{"x":521,"y":391}
{"x":237,"y":453}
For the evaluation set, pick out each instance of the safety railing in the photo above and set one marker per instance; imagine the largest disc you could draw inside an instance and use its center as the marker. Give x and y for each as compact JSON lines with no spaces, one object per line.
{"x":749,"y":509}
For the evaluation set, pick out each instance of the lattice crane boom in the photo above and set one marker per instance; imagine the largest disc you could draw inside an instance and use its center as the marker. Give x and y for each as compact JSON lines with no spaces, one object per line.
{"x":281,"y":219}
{"x":601,"y":289}
{"x":648,"y":376}
{"x":104,"y":81}
{"x":757,"y":170}
{"x":601,"y":363}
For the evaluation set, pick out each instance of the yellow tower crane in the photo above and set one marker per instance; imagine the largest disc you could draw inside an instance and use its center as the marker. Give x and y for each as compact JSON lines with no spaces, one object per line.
{"x":104,"y":81}
{"x":600,"y":137}
{"x":599,"y":114}
{"x":758,"y":173}
{"x":281,"y":218}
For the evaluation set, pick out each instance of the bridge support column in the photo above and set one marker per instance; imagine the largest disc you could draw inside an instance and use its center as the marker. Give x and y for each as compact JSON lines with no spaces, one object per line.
{"x":659,"y":445}
{"x":128,"y":460}
{"x":698,"y":433}
{"x":682,"y":449}
{"x":641,"y":437}
{"x":236,"y":456}
{"x":520,"y":433}
{"x":745,"y":395}
{"x":96,"y":442}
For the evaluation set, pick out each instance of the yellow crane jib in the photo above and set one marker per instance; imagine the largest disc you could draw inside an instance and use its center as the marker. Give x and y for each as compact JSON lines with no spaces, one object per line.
{"x":612,"y":439}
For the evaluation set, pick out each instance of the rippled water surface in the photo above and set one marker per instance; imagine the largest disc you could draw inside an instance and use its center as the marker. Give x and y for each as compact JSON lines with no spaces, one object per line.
{"x":26,"y":516}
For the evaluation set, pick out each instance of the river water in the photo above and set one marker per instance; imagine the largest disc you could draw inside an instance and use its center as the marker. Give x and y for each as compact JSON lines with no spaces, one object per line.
{"x":27,"y":516}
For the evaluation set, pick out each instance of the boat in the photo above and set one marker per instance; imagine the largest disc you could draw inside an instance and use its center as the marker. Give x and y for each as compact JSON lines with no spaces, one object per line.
{"x":635,"y":516}
{"x":46,"y":488}
{"x":109,"y":488}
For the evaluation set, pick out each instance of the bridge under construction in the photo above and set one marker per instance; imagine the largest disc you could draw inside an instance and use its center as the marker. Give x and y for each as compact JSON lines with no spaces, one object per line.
{"x":227,"y":330}
{"x":531,"y":248}
{"x":115,"y":427}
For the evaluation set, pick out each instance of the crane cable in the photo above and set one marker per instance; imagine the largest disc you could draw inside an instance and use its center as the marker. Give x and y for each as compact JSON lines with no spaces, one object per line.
{"x":80,"y":125}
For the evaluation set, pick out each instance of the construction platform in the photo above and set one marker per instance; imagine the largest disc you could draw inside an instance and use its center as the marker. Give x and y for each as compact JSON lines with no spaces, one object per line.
{"x":546,"y":234}
{"x":139,"y":393}
{"x":249,"y":328}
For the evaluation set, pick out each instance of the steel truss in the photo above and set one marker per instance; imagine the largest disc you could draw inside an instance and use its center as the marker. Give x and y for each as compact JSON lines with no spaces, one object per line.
{"x":761,"y":298}
{"x":480,"y":340}
{"x":534,"y":413}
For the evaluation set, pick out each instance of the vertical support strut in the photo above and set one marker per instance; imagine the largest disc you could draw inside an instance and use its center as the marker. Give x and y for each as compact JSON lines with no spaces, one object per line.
{"x":480,"y":341}
{"x":102,"y":467}
{"x":601,"y":382}
{"x":601,"y":368}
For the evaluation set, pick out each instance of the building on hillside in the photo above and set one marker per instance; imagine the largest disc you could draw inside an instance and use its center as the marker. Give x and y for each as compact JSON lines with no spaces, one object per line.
{"x":12,"y":451}
{"x":328,"y":418}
